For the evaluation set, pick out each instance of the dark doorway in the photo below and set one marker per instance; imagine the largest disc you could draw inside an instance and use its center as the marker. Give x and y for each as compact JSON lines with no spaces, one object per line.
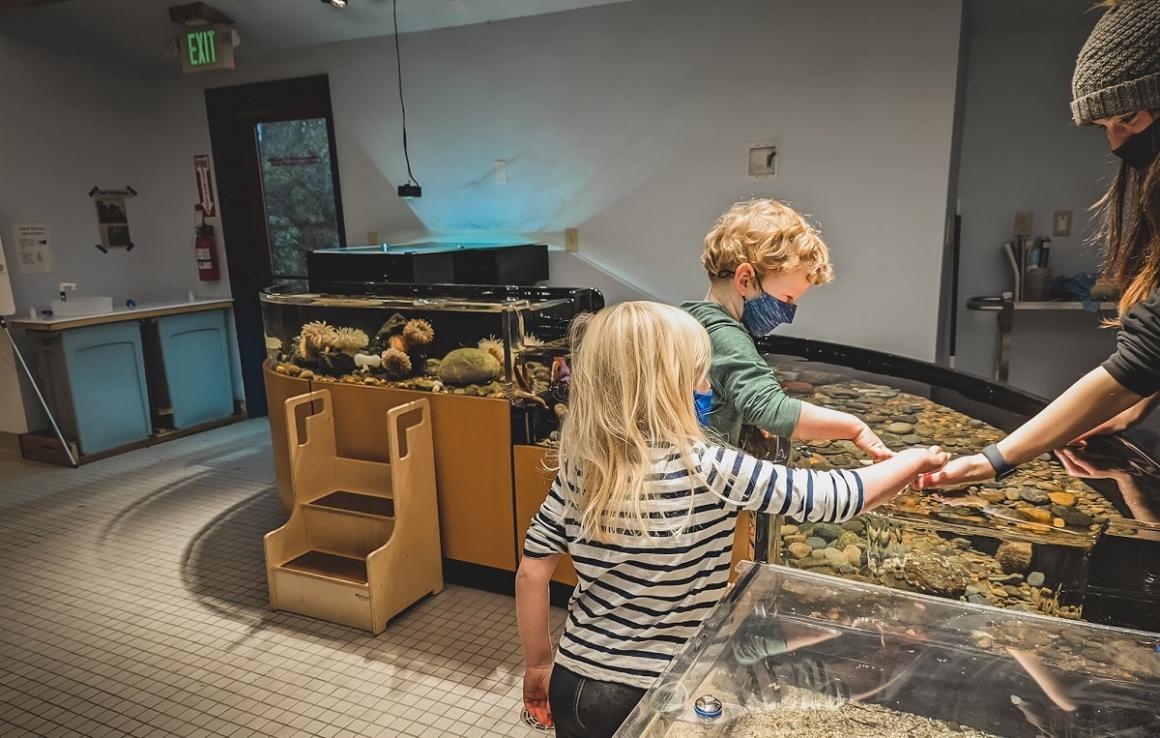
{"x":278,"y":189}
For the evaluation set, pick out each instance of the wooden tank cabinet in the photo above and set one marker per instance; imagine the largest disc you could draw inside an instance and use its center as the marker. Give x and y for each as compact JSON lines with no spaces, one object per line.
{"x":473,"y":472}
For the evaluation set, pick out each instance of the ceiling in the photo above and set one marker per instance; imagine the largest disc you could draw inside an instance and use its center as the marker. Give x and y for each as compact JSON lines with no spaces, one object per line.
{"x":137,"y":30}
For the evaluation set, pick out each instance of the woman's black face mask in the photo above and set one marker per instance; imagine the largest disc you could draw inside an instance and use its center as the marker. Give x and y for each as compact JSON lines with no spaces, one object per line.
{"x":1140,"y":150}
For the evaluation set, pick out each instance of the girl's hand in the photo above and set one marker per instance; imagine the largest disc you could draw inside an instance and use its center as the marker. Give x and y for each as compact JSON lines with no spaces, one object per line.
{"x":871,"y":444}
{"x":536,"y":680}
{"x":926,"y":459}
{"x":963,"y":470}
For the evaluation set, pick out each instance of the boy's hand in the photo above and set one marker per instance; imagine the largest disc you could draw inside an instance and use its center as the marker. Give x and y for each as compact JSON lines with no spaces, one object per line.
{"x":926,"y":460}
{"x":536,"y":680}
{"x":871,"y":444}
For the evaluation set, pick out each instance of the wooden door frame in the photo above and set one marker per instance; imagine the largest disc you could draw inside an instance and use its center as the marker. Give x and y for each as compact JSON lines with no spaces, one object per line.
{"x":232,"y":112}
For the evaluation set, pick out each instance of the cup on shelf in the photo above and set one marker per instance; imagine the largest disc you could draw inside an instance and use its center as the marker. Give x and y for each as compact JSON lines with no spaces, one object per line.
{"x":1037,"y":284}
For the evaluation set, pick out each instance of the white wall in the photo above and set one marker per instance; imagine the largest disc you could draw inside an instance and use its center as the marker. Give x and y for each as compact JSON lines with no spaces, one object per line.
{"x":1020,"y":151}
{"x":629,"y":121}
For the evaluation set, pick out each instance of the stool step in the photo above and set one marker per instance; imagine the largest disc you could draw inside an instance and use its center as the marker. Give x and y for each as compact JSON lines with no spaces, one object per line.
{"x":333,"y":566}
{"x":357,"y":503}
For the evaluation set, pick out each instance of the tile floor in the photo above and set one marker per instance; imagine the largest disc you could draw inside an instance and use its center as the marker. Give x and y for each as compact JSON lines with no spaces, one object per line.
{"x":133,"y":603}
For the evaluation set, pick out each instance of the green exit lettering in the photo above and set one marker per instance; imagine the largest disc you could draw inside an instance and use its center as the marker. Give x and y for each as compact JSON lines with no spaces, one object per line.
{"x":202,"y":47}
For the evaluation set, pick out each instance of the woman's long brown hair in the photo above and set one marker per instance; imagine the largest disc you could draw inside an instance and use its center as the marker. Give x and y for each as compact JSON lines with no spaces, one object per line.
{"x":1130,"y":231}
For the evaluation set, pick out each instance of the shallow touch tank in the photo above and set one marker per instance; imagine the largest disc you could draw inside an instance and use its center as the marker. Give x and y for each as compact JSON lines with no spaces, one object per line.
{"x":467,"y":340}
{"x":1042,"y":540}
{"x":792,"y":654}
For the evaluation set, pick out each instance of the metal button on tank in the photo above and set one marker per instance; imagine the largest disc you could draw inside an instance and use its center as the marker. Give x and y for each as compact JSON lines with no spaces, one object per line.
{"x":708,"y":706}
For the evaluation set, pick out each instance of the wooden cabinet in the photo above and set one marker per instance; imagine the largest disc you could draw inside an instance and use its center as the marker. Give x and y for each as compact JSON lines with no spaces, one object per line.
{"x":532,"y":484}
{"x":473,"y":470}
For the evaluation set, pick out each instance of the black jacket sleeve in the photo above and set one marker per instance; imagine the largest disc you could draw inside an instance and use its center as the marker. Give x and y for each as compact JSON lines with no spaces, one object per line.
{"x":1136,"y":363}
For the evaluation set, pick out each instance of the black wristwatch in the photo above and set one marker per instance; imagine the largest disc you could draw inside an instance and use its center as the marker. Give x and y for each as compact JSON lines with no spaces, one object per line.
{"x":998,"y":463}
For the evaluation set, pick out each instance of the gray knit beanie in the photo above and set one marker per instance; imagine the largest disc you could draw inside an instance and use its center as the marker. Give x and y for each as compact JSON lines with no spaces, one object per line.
{"x":1118,"y":69}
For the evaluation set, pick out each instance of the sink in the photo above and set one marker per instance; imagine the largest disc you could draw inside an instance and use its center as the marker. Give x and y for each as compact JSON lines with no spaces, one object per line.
{"x":77,"y":307}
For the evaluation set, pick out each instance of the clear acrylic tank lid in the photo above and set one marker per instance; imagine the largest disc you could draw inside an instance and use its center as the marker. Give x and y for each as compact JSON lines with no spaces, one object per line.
{"x":795,"y":654}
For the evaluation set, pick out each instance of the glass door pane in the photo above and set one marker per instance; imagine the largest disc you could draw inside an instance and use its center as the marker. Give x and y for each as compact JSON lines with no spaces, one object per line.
{"x":297,"y":192}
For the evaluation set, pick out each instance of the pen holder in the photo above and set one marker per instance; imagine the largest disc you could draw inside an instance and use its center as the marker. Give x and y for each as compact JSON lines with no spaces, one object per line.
{"x":1037,"y":283}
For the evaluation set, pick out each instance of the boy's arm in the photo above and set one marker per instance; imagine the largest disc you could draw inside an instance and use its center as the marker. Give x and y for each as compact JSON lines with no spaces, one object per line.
{"x":745,"y":380}
{"x":822,"y":424}
{"x":810,"y":495}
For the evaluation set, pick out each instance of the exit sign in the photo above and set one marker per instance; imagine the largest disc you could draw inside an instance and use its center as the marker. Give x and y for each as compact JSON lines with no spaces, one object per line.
{"x":208,"y":47}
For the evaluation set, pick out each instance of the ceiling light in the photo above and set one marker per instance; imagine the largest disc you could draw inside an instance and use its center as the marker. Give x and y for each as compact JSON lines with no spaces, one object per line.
{"x":335,"y":3}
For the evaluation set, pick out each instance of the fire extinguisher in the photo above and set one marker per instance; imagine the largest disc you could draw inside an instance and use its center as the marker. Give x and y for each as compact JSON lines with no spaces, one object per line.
{"x":205,"y":245}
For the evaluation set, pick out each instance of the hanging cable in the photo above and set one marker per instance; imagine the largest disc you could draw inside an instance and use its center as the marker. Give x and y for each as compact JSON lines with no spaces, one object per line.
{"x":399,"y":68}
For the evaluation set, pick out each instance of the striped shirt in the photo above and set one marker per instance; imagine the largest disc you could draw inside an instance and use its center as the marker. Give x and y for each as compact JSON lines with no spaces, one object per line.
{"x":638,"y":600}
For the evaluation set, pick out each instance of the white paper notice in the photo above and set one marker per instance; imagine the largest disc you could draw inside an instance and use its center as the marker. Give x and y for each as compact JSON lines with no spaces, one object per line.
{"x":7,"y":306}
{"x":33,"y":247}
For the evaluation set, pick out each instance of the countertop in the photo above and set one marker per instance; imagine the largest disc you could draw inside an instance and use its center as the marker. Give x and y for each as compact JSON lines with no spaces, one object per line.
{"x":120,"y":314}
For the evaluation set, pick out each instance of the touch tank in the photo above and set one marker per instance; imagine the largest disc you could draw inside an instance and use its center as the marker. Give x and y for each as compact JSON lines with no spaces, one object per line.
{"x":797,"y":654}
{"x":1075,"y":541}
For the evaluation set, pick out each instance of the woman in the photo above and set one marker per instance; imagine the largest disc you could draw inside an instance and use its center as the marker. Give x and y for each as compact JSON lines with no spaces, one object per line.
{"x":1116,"y":86}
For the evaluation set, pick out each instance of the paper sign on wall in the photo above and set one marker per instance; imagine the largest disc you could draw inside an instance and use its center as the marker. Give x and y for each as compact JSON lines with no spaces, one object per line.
{"x":204,"y":186}
{"x":7,"y":304}
{"x":33,"y":247}
{"x":113,"y":218}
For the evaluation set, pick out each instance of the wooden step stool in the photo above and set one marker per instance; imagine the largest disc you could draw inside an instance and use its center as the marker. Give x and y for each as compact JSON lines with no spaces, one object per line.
{"x":362,"y":542}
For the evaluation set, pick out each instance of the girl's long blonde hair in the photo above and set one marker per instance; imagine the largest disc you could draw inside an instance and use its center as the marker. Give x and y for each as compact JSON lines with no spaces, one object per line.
{"x":634,"y":368}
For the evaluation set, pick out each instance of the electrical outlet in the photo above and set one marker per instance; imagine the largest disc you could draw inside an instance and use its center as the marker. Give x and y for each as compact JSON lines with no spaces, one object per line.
{"x":571,"y":239}
{"x":1061,"y":223}
{"x":763,"y":160}
{"x":1023,"y":222}
{"x":501,"y":171}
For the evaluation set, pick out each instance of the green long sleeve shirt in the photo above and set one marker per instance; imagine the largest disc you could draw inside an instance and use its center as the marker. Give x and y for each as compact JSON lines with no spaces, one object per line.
{"x":745,"y":391}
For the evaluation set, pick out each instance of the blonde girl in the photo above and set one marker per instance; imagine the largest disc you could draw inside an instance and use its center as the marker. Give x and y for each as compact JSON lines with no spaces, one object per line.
{"x":646,"y":508}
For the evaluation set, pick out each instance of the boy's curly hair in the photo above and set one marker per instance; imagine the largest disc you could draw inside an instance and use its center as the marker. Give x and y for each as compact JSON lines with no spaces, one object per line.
{"x":771,"y":236}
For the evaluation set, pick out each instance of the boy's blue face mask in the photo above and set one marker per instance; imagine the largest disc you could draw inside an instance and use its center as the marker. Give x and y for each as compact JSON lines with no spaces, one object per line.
{"x":764,"y":313}
{"x":703,"y":402}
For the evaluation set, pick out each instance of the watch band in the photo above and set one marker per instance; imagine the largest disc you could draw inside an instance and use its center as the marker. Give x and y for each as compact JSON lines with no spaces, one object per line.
{"x":998,"y":463}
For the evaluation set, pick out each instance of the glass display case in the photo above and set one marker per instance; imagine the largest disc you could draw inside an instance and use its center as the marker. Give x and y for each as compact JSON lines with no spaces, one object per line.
{"x":794,"y":654}
{"x":1039,"y":541}
{"x":478,"y":341}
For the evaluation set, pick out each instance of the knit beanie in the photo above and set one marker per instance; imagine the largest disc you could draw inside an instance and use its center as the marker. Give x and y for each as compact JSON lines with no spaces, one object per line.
{"x":1118,"y":69}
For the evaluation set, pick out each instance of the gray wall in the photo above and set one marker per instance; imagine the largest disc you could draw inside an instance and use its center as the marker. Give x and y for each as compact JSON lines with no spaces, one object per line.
{"x":1020,"y":151}
{"x":629,"y":121}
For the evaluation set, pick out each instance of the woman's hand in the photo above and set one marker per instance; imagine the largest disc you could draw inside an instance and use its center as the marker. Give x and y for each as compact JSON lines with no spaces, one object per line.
{"x":866,"y":440}
{"x":1077,"y":467}
{"x":963,"y":470}
{"x":536,"y":681}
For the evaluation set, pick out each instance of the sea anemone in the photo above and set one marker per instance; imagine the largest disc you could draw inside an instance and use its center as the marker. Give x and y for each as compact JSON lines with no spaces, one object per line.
{"x":314,"y":337}
{"x":531,"y":340}
{"x":418,"y":332}
{"x":396,"y":363}
{"x":350,"y":340}
{"x":493,"y":346}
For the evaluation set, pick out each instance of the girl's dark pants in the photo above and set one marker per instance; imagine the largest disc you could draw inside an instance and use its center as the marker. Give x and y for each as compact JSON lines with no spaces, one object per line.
{"x":588,"y":708}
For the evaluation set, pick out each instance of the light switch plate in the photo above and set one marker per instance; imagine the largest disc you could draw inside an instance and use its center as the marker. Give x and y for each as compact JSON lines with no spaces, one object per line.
{"x":1061,"y":223}
{"x":571,"y":239}
{"x":763,"y":160}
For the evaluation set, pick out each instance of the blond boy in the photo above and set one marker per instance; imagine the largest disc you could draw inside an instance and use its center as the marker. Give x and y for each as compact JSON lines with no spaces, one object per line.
{"x":762,"y":256}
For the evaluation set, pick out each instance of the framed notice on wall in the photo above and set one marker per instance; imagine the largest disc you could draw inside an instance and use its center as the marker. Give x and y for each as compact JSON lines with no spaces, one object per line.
{"x":7,"y":304}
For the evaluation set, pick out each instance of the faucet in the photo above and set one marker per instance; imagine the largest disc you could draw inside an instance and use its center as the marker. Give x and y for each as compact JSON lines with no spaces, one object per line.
{"x":66,"y":285}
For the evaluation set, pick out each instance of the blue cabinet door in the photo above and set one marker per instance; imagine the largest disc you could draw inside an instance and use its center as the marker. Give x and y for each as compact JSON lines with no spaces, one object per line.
{"x":196,"y":355}
{"x":106,"y":376}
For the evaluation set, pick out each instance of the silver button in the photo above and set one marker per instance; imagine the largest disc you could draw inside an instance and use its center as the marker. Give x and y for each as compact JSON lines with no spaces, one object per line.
{"x":708,"y":706}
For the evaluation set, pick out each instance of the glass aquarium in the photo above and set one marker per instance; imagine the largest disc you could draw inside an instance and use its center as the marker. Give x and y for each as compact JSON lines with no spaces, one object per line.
{"x":1037,"y":541}
{"x":499,"y":342}
{"x":794,"y":654}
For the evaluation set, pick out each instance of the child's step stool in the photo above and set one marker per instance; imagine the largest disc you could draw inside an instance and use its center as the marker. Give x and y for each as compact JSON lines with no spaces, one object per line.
{"x":362,"y":543}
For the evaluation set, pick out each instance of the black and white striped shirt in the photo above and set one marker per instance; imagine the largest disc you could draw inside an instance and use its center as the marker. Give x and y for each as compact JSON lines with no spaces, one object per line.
{"x":639,"y":599}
